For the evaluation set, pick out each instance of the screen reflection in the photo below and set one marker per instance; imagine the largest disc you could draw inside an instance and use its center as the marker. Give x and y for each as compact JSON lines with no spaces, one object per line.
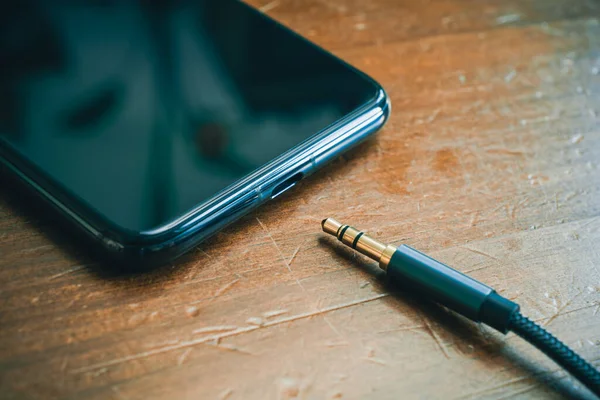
{"x":143,"y":110}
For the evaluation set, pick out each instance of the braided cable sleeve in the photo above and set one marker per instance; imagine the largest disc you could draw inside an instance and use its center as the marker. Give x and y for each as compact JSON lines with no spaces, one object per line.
{"x":556,"y":350}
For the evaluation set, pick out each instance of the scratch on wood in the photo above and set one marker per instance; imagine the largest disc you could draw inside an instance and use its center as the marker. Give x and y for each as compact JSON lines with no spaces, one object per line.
{"x":193,"y":281}
{"x":572,"y":311}
{"x":274,"y":244}
{"x":225,"y":394}
{"x":225,"y":287}
{"x":68,"y":271}
{"x":434,"y":115}
{"x":495,"y":210}
{"x":512,"y":395}
{"x":435,"y":337}
{"x":333,"y":328}
{"x":229,"y":347}
{"x":239,"y":331}
{"x":510,"y":76}
{"x":219,"y":291}
{"x":255,"y":321}
{"x":269,"y":6}
{"x":275,"y":313}
{"x":255,"y":269}
{"x":571,"y":195}
{"x":501,"y":385}
{"x":475,"y":218}
{"x":508,"y":18}
{"x":197,"y":270}
{"x":520,"y":203}
{"x":183,"y":356}
{"x":163,"y":343}
{"x":505,"y":152}
{"x":404,"y":328}
{"x":212,"y":329}
{"x":375,"y":360}
{"x":479,"y":252}
{"x":513,"y":212}
{"x":559,"y":312}
{"x":476,"y":269}
{"x":99,"y":372}
{"x":35,"y":249}
{"x":63,"y":365}
{"x":472,"y":106}
{"x":204,"y":252}
{"x":293,"y":256}
{"x":591,"y":221}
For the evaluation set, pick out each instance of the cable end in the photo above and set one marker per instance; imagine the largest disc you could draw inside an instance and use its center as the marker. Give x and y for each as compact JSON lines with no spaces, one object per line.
{"x":359,"y":241}
{"x":331,"y":226}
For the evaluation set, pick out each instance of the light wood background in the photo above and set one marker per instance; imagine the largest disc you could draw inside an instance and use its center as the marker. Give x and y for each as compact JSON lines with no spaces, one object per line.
{"x":490,"y":162}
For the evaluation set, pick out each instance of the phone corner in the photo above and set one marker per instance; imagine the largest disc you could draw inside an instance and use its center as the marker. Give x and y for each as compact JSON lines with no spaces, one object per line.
{"x":382,"y":100}
{"x":381,"y":105}
{"x":387,"y":105}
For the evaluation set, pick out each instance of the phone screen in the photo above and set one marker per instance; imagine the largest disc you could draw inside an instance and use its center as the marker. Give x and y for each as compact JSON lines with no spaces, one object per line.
{"x":146,"y":109}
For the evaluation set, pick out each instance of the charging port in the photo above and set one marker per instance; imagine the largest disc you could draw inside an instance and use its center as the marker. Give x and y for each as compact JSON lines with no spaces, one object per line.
{"x":287,"y":184}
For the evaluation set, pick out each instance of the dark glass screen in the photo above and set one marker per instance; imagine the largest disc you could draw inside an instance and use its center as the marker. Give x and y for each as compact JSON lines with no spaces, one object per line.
{"x":145,"y":109}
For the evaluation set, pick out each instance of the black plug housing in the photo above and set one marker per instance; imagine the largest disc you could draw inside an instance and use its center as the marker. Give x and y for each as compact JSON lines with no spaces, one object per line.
{"x":415,"y":271}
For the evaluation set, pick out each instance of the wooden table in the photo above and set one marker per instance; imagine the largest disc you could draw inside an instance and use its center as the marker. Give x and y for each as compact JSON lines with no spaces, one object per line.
{"x":490,"y":162}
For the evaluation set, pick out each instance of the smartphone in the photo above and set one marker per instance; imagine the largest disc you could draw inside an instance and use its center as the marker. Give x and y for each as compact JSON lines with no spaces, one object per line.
{"x":149,"y":126}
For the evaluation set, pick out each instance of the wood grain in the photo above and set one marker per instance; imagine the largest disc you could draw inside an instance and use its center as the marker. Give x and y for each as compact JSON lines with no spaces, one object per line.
{"x":489,"y":162}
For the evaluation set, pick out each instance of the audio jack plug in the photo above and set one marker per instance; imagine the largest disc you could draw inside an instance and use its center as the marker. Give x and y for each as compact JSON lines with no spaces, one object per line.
{"x":408,"y":268}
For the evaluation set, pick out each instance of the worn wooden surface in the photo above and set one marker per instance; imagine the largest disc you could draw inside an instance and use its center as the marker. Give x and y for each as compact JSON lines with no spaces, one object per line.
{"x":490,"y":162}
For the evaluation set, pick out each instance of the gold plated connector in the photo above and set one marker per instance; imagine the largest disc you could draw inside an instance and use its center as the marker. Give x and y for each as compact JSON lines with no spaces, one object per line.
{"x":359,"y":241}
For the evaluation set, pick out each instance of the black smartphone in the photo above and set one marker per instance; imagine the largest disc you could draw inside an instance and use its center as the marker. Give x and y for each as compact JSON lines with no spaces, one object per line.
{"x":151,"y":125}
